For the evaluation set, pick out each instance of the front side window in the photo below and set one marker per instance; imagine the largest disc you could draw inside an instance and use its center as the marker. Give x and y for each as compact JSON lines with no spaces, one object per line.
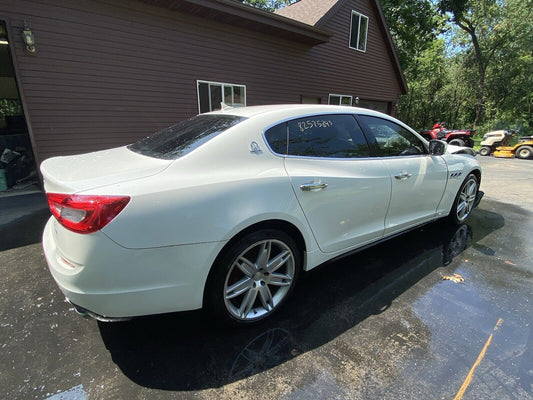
{"x":391,"y":139}
{"x":358,"y":31}
{"x":211,"y":95}
{"x":330,"y":136}
{"x":185,"y":136}
{"x":340,"y":100}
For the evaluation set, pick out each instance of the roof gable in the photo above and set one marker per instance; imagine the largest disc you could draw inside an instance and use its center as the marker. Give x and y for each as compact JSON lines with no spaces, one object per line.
{"x":318,"y":12}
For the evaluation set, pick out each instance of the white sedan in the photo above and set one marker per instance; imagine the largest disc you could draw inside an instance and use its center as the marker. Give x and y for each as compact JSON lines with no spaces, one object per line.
{"x":224,"y":210}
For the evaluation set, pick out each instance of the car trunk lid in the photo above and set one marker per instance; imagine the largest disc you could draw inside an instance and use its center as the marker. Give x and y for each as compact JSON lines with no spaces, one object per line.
{"x":74,"y":174}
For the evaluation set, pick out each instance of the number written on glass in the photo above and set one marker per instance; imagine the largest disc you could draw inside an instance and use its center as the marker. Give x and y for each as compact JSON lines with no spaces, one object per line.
{"x":311,"y":123}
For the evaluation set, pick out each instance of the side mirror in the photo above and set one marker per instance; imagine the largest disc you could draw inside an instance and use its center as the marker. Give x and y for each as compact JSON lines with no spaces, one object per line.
{"x":437,"y":147}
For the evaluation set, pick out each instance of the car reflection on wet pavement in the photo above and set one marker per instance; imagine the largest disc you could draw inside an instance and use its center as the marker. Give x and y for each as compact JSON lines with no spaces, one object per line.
{"x":378,"y":324}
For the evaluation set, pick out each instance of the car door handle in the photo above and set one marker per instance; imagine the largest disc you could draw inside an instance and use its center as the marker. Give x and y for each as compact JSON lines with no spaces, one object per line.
{"x":403,"y":176}
{"x":307,"y":187}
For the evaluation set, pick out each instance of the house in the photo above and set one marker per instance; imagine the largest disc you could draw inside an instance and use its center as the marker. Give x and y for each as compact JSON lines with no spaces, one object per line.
{"x":93,"y":74}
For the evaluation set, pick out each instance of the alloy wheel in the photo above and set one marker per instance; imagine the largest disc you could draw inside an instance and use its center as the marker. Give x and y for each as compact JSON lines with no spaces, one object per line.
{"x":259,"y":279}
{"x":467,"y":198}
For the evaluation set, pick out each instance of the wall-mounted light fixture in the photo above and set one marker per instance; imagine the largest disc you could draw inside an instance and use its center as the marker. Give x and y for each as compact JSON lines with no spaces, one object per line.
{"x":356,"y":99}
{"x":28,"y":38}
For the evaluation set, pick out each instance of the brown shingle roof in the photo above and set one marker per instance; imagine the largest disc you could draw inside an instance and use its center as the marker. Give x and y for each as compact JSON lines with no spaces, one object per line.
{"x":307,"y":11}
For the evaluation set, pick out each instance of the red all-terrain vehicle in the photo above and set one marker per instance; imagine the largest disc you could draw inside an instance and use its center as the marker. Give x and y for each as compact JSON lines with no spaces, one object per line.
{"x":454,"y":137}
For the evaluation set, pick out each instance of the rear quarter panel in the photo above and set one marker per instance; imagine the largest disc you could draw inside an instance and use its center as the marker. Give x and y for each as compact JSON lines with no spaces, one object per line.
{"x":208,"y":195}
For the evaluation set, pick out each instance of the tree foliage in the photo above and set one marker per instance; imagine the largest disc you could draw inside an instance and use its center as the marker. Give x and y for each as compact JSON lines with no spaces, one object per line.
{"x":268,"y":5}
{"x":482,"y":77}
{"x":467,"y":63}
{"x":414,"y":25}
{"x":481,"y":21}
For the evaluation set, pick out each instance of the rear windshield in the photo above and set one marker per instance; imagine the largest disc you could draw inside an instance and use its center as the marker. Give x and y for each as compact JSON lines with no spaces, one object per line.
{"x":182,"y":138}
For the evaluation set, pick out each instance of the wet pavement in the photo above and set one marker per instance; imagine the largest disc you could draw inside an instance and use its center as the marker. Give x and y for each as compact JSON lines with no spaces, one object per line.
{"x":381,"y":324}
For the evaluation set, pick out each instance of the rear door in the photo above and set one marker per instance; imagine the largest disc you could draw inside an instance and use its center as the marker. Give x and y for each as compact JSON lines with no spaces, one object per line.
{"x":418,"y":179}
{"x":343,"y":192}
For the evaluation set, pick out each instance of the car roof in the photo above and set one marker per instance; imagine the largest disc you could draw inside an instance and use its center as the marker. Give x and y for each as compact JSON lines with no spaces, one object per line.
{"x":297,"y":109}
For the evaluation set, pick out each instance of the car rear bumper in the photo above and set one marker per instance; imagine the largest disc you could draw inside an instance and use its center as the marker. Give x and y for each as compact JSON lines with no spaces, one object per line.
{"x":115,"y":282}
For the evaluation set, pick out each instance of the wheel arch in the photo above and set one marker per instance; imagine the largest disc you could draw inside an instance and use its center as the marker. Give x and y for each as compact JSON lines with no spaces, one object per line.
{"x":477,"y":173}
{"x":278,"y":224}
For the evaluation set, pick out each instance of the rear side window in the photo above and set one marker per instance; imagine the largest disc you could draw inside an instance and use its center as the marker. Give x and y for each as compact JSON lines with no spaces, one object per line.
{"x":182,"y":138}
{"x":277,"y":138}
{"x":330,"y":136}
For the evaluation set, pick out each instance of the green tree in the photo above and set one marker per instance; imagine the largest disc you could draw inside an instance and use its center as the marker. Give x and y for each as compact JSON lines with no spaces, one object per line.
{"x":422,"y":106}
{"x":481,"y":24}
{"x":509,"y":82}
{"x":414,"y":26}
{"x":268,"y":5}
{"x":483,"y":79}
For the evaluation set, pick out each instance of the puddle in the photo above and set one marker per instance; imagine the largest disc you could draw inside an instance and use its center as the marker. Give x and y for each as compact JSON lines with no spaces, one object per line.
{"x":76,"y":393}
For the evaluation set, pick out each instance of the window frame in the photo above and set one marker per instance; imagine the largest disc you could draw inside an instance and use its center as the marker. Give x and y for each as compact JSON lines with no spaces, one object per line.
{"x":340,"y":96}
{"x":358,"y":44}
{"x":223,"y":87}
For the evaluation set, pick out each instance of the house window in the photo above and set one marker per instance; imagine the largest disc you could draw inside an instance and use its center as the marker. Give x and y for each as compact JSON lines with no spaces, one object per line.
{"x":304,"y":99}
{"x":340,"y":100}
{"x":381,"y":106}
{"x":358,"y":31}
{"x":212,"y":94}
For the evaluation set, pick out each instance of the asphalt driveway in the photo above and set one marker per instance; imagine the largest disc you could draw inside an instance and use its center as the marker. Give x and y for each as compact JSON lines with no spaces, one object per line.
{"x":508,"y":180}
{"x":382,"y":324}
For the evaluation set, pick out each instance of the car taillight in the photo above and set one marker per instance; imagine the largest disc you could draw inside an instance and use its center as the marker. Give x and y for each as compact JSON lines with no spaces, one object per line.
{"x":85,"y":213}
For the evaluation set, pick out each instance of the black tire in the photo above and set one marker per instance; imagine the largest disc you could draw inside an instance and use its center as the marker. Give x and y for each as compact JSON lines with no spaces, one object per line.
{"x":484,"y":151}
{"x":457,"y":142}
{"x":524,"y":152}
{"x":258,"y":291}
{"x":464,"y":200}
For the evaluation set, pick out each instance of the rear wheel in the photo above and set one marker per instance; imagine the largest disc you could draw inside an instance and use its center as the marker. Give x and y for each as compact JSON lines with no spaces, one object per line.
{"x":253,"y":278}
{"x":524,"y":152}
{"x":457,"y":142}
{"x":465,"y":200}
{"x":484,"y":151}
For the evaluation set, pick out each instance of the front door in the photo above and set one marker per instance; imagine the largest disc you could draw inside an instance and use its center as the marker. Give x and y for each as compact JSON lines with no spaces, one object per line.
{"x":418,"y":184}
{"x":418,"y":179}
